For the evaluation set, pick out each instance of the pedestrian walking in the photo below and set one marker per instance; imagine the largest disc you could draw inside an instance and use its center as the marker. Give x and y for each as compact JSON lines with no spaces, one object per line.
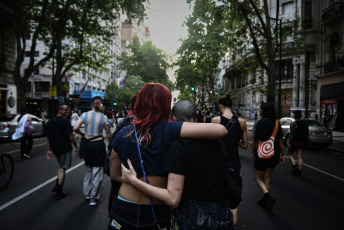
{"x":297,"y":142}
{"x":60,"y":139}
{"x":110,"y":116}
{"x":132,"y":208}
{"x":74,"y":117}
{"x":236,"y":137}
{"x":267,"y":152}
{"x":92,"y":149}
{"x":199,"y":195}
{"x":24,"y":132}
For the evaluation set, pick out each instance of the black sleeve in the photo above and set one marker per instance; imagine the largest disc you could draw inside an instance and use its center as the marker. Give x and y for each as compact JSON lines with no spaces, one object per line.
{"x":175,"y":161}
{"x":67,"y":127}
{"x":259,"y":135}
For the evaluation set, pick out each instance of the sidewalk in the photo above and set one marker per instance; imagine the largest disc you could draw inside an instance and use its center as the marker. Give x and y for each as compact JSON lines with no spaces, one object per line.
{"x":338,"y":142}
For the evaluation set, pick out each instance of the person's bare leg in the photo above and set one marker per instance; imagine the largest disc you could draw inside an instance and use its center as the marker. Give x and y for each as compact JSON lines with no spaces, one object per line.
{"x":299,"y":159}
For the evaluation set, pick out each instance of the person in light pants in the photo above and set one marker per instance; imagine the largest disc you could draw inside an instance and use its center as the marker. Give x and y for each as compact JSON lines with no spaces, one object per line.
{"x":93,"y":149}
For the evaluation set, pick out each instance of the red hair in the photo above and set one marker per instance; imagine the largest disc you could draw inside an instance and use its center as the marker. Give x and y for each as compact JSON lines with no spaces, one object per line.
{"x":153,"y":104}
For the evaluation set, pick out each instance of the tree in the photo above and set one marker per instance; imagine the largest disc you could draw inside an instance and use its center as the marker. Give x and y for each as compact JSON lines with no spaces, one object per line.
{"x":54,"y":22}
{"x":146,"y":61}
{"x":122,"y":96}
{"x":202,"y":51}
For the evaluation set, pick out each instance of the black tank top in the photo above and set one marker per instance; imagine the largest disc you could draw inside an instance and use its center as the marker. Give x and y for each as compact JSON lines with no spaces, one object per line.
{"x":233,"y":137}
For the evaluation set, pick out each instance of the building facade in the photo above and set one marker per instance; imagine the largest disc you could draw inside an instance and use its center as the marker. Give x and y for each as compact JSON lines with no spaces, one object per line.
{"x":311,"y":75}
{"x":8,"y":90}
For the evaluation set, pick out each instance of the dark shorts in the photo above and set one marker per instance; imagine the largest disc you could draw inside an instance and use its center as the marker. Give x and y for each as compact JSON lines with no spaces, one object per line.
{"x":263,"y":164}
{"x":64,"y":160}
{"x":295,"y":145}
{"x":193,"y":214}
{"x":138,"y":216}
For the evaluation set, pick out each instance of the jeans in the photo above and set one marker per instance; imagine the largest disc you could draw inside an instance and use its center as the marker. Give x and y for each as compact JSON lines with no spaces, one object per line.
{"x":138,"y":216}
{"x":193,"y":214}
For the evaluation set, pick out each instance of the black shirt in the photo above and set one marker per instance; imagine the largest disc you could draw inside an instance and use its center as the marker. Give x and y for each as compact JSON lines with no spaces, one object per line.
{"x":196,"y":159}
{"x":57,"y":130}
{"x":233,"y":136}
{"x":263,"y":132}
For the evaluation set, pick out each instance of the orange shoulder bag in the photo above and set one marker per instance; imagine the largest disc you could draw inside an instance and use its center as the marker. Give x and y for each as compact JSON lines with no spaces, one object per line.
{"x":266,"y":148}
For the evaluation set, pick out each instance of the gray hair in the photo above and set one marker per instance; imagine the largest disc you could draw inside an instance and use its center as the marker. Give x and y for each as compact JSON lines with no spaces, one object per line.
{"x":184,"y":110}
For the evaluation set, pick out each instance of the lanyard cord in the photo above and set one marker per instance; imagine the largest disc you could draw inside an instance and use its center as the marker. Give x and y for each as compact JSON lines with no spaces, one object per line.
{"x":145,"y":177}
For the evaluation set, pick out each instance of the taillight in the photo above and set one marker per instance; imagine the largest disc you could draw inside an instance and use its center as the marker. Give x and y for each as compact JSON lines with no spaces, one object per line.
{"x":5,"y":125}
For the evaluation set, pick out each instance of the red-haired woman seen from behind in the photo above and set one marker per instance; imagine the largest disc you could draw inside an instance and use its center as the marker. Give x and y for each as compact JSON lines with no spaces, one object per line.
{"x":132,"y":208}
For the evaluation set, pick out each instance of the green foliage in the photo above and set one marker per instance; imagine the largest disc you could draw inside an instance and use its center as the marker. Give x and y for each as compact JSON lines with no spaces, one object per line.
{"x":123,"y":95}
{"x":69,"y":29}
{"x":202,"y":51}
{"x":146,"y":61}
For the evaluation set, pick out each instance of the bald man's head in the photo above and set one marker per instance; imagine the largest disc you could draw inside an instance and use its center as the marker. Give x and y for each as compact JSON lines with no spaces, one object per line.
{"x":184,"y":110}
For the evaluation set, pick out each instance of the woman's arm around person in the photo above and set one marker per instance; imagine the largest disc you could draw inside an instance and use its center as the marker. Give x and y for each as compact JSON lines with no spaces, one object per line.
{"x":170,"y":196}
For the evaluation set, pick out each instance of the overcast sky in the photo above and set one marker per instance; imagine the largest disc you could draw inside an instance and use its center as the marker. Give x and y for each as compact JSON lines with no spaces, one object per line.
{"x":165,"y":20}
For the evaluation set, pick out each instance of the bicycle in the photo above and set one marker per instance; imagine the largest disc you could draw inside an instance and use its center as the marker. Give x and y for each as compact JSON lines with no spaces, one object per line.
{"x":6,"y":170}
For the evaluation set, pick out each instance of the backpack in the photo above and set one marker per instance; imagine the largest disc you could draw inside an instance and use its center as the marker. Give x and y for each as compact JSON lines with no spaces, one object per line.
{"x":301,"y":132}
{"x":266,"y":148}
{"x":28,"y":128}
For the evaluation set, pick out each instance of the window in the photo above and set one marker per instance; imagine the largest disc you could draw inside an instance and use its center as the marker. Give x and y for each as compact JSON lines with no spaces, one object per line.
{"x":288,"y":8}
{"x":308,"y":9}
{"x":42,"y":86}
{"x":77,"y":86}
{"x":28,"y":87}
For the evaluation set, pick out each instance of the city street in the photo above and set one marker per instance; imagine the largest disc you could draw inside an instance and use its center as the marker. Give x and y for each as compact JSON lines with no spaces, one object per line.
{"x":312,"y":202}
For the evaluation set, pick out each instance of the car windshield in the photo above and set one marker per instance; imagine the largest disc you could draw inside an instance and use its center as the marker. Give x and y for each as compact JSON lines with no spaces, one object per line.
{"x":7,"y":117}
{"x":313,"y":123}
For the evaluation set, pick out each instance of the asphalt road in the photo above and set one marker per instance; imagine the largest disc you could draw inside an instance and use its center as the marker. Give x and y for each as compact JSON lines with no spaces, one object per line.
{"x":314,"y":201}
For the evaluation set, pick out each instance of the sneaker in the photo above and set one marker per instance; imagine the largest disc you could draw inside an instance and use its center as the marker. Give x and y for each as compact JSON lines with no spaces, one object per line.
{"x":93,"y":202}
{"x":26,"y":156}
{"x":88,"y":197}
{"x":59,"y":195}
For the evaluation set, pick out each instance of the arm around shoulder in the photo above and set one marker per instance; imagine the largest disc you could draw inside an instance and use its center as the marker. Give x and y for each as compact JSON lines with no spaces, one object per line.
{"x":202,"y":130}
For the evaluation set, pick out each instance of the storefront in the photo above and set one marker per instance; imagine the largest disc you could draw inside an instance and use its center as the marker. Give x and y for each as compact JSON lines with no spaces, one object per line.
{"x":332,"y":105}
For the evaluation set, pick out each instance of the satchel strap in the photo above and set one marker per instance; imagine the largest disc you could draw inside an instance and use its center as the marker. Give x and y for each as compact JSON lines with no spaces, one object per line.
{"x":275,"y":129}
{"x":146,"y":179}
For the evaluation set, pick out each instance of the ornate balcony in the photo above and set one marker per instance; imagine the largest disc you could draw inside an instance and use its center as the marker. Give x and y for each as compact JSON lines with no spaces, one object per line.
{"x":332,"y":13}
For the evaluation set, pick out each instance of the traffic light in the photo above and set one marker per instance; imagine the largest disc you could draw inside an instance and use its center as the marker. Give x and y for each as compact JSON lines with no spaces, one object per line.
{"x":115,"y":103}
{"x":192,"y":88}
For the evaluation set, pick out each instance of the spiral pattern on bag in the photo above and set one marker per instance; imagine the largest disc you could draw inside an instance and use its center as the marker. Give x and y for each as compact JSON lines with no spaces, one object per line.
{"x":266,"y":148}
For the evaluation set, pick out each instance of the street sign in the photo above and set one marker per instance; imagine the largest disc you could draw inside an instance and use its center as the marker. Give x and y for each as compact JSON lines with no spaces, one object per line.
{"x":52,"y":91}
{"x":61,"y":99}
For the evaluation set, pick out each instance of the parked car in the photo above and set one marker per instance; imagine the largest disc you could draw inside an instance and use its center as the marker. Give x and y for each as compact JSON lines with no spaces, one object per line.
{"x":9,"y":122}
{"x":319,"y":134}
